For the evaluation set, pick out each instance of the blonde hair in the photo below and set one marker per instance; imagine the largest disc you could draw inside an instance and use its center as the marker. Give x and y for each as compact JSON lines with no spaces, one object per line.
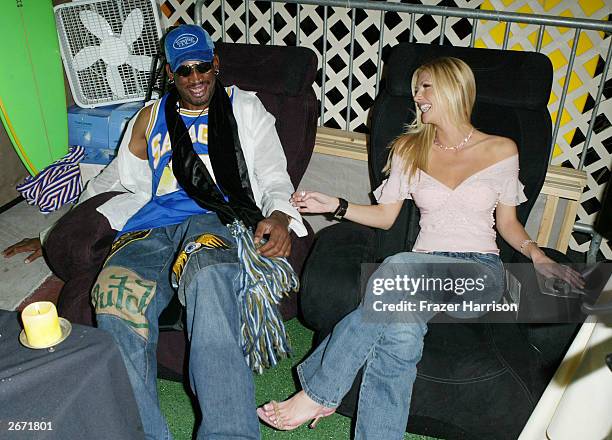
{"x":455,"y":87}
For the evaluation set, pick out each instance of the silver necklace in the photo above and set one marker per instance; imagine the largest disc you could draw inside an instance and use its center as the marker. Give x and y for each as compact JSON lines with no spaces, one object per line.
{"x":457,"y":147}
{"x":178,"y":110}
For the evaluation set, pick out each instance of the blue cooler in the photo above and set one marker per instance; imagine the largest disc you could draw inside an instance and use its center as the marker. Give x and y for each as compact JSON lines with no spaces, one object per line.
{"x":99,"y":130}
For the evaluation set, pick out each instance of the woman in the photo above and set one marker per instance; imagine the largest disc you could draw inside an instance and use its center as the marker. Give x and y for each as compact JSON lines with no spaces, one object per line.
{"x":459,"y":178}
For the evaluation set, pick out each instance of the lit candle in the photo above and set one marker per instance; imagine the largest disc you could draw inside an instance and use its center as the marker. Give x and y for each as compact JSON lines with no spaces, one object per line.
{"x":41,"y":324}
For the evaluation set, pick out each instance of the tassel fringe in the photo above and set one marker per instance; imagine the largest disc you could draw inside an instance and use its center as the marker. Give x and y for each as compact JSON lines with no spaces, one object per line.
{"x":263,"y":283}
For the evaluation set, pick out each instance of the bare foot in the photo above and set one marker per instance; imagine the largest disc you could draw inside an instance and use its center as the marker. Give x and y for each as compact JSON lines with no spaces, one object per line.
{"x":293,"y":412}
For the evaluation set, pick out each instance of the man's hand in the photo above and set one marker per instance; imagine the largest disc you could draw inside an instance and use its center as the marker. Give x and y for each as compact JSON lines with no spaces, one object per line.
{"x":279,"y":242}
{"x":32,"y":245}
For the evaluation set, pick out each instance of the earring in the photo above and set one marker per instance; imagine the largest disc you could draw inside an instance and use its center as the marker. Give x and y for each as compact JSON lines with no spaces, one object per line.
{"x":171,"y":80}
{"x":216,"y":72}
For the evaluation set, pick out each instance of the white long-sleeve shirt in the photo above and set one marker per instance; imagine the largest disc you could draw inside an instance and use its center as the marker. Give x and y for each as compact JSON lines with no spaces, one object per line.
{"x":262,"y":151}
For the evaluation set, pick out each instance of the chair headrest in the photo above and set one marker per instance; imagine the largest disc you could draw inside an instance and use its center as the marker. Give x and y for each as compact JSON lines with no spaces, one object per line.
{"x":278,"y":70}
{"x":503,"y":77}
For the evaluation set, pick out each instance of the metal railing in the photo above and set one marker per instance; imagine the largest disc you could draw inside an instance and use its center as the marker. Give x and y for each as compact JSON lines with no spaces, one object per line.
{"x":509,"y":18}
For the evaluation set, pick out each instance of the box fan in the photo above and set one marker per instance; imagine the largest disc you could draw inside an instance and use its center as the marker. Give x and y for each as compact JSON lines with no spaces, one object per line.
{"x":108,"y":48}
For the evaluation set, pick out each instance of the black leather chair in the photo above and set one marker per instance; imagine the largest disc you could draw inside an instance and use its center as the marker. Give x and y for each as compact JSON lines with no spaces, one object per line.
{"x":475,"y":380}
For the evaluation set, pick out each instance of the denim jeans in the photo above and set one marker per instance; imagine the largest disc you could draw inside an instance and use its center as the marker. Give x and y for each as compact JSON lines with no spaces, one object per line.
{"x":198,"y":257}
{"x":388,"y":349}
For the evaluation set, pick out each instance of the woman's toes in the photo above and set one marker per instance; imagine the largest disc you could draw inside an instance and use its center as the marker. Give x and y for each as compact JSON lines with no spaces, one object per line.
{"x":268,"y":408}
{"x":265,"y":412}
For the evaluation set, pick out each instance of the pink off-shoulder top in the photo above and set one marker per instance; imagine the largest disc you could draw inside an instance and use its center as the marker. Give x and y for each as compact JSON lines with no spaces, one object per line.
{"x":460,"y":219}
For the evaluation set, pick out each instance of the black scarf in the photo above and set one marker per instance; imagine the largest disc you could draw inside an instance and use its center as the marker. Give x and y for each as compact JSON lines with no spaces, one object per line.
{"x":263,"y":281}
{"x":226,"y":157}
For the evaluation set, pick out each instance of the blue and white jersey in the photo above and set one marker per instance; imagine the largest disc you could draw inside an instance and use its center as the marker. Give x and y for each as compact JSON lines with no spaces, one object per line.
{"x":169,"y":203}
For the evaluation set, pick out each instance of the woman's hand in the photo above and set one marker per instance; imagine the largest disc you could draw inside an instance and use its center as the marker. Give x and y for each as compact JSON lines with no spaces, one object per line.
{"x":550,"y":269}
{"x":313,"y":202}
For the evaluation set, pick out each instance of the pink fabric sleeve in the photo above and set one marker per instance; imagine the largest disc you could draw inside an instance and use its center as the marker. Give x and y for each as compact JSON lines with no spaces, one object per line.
{"x":511,"y":192}
{"x":396,"y":187}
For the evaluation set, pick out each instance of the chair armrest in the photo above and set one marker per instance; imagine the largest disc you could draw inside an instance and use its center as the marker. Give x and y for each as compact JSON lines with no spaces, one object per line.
{"x":334,"y":265}
{"x":597,"y":278}
{"x":536,"y":307}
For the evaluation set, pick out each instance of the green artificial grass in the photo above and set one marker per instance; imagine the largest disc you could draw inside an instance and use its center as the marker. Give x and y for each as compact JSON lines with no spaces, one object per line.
{"x":277,"y":383}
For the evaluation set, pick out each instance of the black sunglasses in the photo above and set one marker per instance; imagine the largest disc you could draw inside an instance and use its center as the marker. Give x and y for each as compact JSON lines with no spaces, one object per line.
{"x":186,"y":70}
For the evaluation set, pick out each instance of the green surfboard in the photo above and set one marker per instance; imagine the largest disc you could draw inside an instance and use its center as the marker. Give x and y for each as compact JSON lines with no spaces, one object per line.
{"x":32,"y":96}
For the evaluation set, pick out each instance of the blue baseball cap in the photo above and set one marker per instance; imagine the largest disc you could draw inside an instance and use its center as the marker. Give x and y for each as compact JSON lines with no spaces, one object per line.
{"x":188,"y":42}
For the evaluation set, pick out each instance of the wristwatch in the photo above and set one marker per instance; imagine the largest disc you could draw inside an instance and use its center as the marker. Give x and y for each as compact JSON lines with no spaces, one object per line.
{"x":340,"y":211}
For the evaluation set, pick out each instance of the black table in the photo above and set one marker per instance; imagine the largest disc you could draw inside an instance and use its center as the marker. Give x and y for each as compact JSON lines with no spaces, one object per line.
{"x":77,"y":390}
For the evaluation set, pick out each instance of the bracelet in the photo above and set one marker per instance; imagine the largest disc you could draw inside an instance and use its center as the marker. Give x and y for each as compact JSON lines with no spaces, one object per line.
{"x":525,"y":243}
{"x":340,"y":211}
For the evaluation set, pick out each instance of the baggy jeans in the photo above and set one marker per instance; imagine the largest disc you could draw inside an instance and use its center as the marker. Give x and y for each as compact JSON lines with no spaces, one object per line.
{"x":388,"y":349}
{"x":198,"y":257}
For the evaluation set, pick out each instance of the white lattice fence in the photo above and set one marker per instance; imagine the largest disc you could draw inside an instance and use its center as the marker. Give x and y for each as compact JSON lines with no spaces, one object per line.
{"x":458,"y":31}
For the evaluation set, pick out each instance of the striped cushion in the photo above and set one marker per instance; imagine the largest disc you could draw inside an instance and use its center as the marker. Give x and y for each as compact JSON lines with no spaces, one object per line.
{"x":57,"y":184}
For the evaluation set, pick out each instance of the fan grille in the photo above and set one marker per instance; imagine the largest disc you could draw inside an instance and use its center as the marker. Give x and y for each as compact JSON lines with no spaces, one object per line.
{"x":106,"y":41}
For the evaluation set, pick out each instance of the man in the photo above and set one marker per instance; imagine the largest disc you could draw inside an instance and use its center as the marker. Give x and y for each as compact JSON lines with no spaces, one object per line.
{"x":200,"y":158}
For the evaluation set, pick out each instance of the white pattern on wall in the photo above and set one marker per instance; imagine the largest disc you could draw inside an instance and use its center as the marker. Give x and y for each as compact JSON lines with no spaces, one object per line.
{"x":556,"y":44}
